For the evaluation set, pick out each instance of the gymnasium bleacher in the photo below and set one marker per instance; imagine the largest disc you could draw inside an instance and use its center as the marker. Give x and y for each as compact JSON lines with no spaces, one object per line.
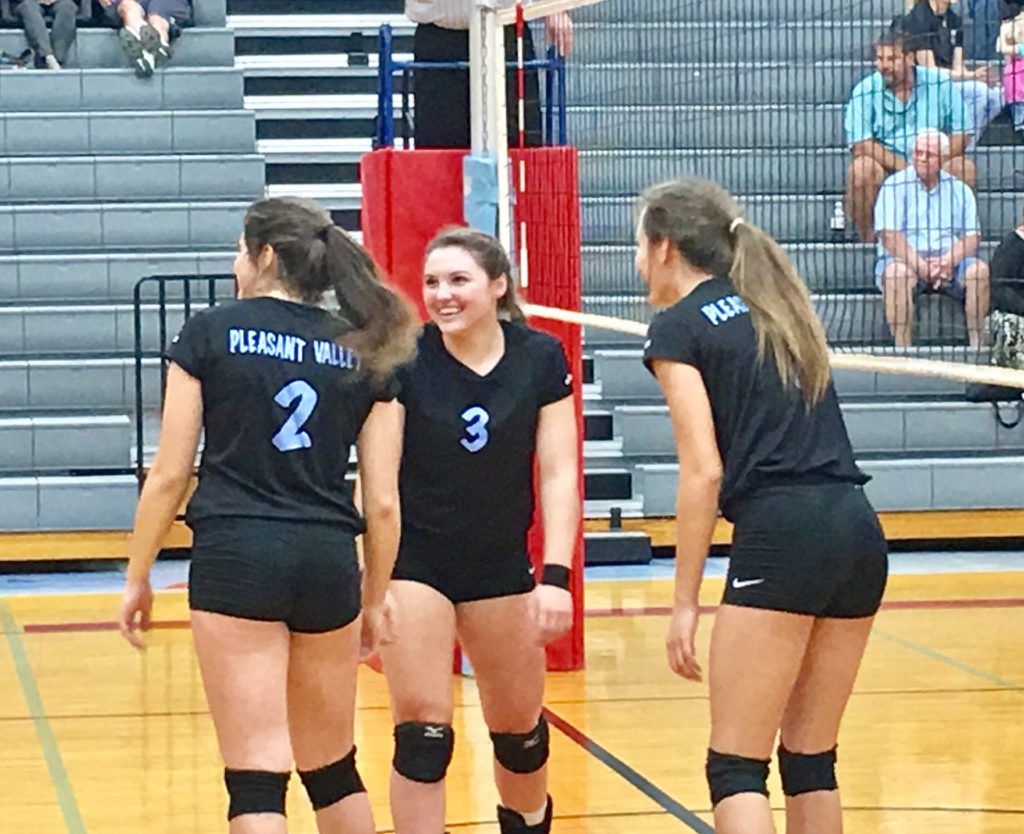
{"x":104,"y":178}
{"x":107,"y":178}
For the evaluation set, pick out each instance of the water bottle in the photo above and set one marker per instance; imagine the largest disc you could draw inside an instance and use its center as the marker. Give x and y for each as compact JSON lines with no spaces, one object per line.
{"x":837,"y":223}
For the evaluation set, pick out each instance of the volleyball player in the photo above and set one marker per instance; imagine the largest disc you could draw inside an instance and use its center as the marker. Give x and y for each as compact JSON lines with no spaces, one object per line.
{"x":282,"y":389}
{"x":484,"y":397}
{"x":741,"y":357}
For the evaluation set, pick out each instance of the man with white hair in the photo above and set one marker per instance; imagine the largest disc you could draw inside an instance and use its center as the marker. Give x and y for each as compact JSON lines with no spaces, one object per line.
{"x":927,"y":224}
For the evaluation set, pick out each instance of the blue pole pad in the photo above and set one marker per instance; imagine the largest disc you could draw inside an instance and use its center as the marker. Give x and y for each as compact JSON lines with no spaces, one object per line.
{"x":480,"y":193}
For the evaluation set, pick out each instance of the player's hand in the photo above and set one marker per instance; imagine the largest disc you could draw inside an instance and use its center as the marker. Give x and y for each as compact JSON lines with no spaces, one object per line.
{"x":106,"y":3}
{"x":560,"y":32}
{"x":136,"y":611}
{"x":378,"y":626}
{"x":551,"y":610}
{"x":679,"y":642}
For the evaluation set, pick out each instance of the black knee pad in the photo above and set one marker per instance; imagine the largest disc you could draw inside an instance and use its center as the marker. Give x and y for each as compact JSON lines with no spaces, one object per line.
{"x":511,"y":822}
{"x":729,"y":775}
{"x":332,"y":783}
{"x":255,"y":791}
{"x":522,"y":752}
{"x":423,"y":751}
{"x":803,"y":773}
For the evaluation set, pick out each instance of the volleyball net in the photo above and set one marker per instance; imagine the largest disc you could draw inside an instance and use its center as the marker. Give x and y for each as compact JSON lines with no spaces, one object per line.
{"x":795,"y":109}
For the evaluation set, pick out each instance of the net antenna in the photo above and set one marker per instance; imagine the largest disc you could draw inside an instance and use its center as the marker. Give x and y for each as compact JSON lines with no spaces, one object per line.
{"x":489,"y":156}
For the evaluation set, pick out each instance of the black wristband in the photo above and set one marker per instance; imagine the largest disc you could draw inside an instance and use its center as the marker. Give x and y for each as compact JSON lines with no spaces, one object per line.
{"x":557,"y":575}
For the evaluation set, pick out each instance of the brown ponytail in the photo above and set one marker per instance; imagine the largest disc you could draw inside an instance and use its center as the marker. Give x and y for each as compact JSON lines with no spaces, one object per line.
{"x":488,"y":254}
{"x":704,"y":223}
{"x":314,"y":257}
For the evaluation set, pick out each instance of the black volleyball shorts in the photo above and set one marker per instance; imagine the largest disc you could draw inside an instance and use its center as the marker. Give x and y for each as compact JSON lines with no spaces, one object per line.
{"x":465,"y":573}
{"x":808,"y":549}
{"x":304,"y":574}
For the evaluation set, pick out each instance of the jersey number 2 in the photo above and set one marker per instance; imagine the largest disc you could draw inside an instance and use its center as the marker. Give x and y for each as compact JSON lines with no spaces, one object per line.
{"x":290,"y":436}
{"x":476,"y":429}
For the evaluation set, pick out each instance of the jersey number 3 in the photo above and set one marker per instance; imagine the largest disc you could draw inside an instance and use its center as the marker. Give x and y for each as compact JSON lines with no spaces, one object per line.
{"x":290,"y":436}
{"x":476,"y":420}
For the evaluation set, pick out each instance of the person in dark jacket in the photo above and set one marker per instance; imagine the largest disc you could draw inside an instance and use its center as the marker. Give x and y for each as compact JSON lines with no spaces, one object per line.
{"x":1007,"y":272}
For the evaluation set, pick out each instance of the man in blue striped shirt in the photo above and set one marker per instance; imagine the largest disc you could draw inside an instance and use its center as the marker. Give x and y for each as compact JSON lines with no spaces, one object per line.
{"x":927,"y":223}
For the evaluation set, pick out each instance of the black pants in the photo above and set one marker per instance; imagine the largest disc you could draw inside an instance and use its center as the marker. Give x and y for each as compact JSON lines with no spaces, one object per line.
{"x":442,"y":96}
{"x":43,"y":43}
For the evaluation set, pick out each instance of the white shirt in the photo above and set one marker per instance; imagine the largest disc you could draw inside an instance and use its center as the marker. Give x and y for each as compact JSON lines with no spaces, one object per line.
{"x":451,"y":14}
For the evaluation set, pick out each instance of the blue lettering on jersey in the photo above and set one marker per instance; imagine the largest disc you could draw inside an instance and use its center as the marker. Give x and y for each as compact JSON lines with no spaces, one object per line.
{"x":290,"y":436}
{"x":329,"y":353}
{"x":476,"y":419}
{"x":281,"y":346}
{"x":724,"y":309}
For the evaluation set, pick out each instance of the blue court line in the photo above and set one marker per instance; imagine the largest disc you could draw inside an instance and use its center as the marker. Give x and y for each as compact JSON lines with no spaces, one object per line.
{"x":949,"y":661}
{"x":641,"y":783}
{"x":51,"y":752}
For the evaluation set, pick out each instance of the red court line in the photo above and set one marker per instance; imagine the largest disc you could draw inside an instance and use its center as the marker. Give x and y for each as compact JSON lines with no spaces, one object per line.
{"x":99,"y":625}
{"x":616,"y":611}
{"x":894,"y":605}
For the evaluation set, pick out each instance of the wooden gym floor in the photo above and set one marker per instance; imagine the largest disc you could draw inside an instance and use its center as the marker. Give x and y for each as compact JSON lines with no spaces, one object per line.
{"x":99,"y":739}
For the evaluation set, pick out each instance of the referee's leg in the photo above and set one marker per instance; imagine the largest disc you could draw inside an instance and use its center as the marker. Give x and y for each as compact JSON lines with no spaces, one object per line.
{"x":441,"y":114}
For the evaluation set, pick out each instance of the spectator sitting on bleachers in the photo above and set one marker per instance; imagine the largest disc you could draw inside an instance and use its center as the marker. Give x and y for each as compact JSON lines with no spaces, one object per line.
{"x":51,"y":49}
{"x":1011,"y":45}
{"x":886,"y":111}
{"x":145,"y":29}
{"x":936,"y":34}
{"x":1007,"y":268}
{"x":927,"y":221}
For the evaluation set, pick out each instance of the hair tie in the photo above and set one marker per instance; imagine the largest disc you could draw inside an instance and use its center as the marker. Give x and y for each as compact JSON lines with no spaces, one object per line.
{"x":322,"y":234}
{"x":736,"y":223}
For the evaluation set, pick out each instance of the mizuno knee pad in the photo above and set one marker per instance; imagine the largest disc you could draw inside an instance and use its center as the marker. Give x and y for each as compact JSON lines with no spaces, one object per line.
{"x":522,"y":752}
{"x":423,"y":751}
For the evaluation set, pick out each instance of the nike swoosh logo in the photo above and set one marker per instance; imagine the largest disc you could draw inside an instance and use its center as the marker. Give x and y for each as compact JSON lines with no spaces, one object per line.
{"x":745,"y":583}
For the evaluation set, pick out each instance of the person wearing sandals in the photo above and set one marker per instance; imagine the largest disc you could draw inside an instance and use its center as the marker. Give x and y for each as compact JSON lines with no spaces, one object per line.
{"x":146,"y":26}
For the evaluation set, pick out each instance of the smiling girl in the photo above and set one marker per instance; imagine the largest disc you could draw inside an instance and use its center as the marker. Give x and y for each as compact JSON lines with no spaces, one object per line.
{"x":484,"y":397}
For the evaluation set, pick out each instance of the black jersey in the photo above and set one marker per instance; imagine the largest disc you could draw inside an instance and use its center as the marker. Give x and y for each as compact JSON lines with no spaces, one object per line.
{"x":766,"y":435}
{"x":282,"y":405}
{"x":467,"y":465}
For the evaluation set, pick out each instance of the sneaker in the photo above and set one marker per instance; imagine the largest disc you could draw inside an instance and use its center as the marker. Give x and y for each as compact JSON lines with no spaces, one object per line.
{"x":511,"y":822}
{"x":132,"y":46}
{"x":51,"y":63}
{"x":151,"y":43}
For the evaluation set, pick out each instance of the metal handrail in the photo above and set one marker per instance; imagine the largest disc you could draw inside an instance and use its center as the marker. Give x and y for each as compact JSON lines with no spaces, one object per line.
{"x":187,"y":300}
{"x":553,"y":66}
